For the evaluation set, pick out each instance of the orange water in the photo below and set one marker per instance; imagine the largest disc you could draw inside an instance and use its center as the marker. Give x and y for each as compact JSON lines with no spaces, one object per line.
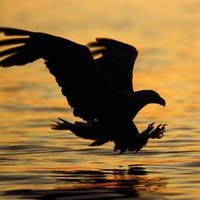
{"x":37,"y":161}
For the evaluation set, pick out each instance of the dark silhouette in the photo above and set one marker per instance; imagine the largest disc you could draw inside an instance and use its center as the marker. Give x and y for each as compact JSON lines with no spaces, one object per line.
{"x":99,"y":90}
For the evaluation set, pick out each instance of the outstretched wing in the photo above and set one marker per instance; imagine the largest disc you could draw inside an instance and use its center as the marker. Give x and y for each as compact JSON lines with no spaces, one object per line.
{"x":86,"y":88}
{"x":116,"y":61}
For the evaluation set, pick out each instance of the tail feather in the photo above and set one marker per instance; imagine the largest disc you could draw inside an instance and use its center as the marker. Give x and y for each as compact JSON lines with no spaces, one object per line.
{"x":63,"y":125}
{"x":79,"y":129}
{"x":84,"y":130}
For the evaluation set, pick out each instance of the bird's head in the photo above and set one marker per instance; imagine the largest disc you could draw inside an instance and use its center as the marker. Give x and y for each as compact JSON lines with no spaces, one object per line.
{"x":140,"y":99}
{"x":150,"y":96}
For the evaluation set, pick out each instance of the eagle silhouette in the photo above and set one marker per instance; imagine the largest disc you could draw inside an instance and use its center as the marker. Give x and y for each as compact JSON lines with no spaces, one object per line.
{"x":97,"y":82}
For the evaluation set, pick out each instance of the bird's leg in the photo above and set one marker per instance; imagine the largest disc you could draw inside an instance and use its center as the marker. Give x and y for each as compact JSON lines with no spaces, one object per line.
{"x":125,"y":143}
{"x":143,"y":138}
{"x":158,"y":132}
{"x":149,"y":129}
{"x":133,"y":142}
{"x":120,"y":144}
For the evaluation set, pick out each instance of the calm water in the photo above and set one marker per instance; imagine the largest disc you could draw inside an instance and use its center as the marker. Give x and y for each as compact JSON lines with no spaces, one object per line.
{"x":39,"y":163}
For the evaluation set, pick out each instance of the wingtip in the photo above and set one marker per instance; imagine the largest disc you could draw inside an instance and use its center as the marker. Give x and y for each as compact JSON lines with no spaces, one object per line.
{"x":14,"y":31}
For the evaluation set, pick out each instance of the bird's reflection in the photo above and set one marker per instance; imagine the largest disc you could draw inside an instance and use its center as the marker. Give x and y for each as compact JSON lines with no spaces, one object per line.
{"x":100,"y":184}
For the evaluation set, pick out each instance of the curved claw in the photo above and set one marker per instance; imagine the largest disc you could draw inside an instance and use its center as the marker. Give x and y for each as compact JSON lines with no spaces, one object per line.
{"x":163,"y":125}
{"x":150,"y":126}
{"x":160,"y":136}
{"x":160,"y":127}
{"x":158,"y":132}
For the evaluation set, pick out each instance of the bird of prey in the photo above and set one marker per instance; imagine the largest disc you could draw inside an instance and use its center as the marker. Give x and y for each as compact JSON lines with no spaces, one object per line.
{"x":99,"y":90}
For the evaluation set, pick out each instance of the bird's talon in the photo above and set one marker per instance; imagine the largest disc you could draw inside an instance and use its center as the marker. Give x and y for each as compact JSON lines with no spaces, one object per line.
{"x":158,"y":132}
{"x":160,"y":125}
{"x":160,"y":136}
{"x":151,"y":125}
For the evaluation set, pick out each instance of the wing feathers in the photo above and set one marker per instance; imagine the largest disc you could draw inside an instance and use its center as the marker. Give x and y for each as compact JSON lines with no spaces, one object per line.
{"x":14,"y":31}
{"x":116,"y":62}
{"x":13,"y":41}
{"x":86,"y":88}
{"x":10,"y":51}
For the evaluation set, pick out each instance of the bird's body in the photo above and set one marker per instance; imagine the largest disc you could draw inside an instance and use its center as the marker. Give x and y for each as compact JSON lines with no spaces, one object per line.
{"x":99,"y":90}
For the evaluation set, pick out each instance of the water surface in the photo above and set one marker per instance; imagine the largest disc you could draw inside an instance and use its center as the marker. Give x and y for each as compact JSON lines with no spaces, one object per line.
{"x":39,"y":163}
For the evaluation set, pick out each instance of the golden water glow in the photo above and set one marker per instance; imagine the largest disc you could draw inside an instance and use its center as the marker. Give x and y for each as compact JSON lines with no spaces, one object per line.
{"x":166,"y":34}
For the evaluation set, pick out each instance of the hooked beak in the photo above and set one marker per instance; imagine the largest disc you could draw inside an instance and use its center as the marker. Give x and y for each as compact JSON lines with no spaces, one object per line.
{"x":162,"y":102}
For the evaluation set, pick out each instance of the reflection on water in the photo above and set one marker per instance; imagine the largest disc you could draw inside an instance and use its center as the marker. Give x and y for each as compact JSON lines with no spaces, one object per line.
{"x":98,"y":184}
{"x":39,"y":163}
